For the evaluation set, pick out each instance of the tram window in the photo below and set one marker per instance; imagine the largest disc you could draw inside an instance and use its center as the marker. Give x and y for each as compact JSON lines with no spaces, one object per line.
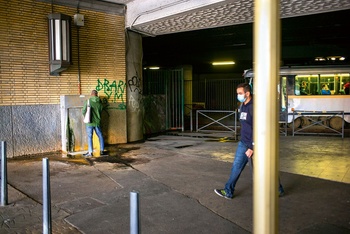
{"x":302,"y":85}
{"x":343,"y":79}
{"x":296,"y":88}
{"x":329,"y":81}
{"x":313,"y":85}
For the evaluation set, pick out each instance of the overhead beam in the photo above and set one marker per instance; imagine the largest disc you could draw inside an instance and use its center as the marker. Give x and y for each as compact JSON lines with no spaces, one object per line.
{"x":141,"y":12}
{"x":99,"y":6}
{"x":156,"y":17}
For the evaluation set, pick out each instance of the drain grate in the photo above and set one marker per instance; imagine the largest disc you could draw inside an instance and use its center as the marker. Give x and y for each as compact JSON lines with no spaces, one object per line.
{"x":183,"y":146}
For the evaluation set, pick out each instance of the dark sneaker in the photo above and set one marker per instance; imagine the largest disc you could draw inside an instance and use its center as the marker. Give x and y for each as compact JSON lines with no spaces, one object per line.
{"x":280,"y":192}
{"x":103,"y":153}
{"x":87,"y":155}
{"x":222,"y":193}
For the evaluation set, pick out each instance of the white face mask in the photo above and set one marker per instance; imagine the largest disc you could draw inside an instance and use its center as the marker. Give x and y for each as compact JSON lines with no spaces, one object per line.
{"x":241,"y":97}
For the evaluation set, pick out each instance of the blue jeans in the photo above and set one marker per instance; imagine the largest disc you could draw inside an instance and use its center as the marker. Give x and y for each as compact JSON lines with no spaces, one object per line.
{"x":238,"y":165}
{"x":89,"y":132}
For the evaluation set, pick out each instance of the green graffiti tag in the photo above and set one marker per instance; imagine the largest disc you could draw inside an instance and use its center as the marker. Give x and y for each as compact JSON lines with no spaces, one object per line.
{"x":107,"y":106}
{"x":113,"y":91}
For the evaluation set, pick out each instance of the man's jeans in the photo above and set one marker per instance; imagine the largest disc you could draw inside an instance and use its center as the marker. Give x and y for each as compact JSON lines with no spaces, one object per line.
{"x":238,"y":165}
{"x":89,"y":132}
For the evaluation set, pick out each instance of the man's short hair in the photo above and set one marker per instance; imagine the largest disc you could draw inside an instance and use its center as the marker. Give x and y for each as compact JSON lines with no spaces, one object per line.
{"x":245,"y":86}
{"x":94,"y":93}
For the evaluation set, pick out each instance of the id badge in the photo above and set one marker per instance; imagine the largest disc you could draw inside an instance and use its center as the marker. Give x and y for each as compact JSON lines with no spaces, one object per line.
{"x":243,"y":116}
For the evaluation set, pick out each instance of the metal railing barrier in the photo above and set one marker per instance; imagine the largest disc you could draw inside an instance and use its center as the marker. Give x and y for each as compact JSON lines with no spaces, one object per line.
{"x":313,"y":122}
{"x":283,"y":122}
{"x":216,"y":118}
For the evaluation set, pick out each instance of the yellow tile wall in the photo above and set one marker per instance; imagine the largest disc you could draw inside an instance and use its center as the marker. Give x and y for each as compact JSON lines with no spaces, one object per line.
{"x":24,"y":70}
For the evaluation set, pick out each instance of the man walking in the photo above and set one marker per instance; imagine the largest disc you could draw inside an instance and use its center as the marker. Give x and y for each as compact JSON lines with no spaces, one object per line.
{"x":245,"y":145}
{"x":95,"y":123}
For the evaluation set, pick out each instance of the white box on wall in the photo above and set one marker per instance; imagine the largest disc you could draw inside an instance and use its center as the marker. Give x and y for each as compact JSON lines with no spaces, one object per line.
{"x":79,"y":20}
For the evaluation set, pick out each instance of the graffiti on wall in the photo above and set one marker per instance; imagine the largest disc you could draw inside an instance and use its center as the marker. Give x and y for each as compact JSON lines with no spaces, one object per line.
{"x":114,"y":92}
{"x":135,"y":93}
{"x":135,"y":84}
{"x":134,"y":104}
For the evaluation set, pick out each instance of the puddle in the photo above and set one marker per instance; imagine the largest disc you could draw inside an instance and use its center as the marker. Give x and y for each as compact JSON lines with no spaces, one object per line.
{"x":223,"y":139}
{"x":114,"y":155}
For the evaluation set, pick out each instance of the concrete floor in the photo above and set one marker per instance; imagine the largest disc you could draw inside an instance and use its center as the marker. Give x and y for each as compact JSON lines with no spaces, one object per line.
{"x":320,"y":157}
{"x":324,"y":157}
{"x":175,"y":176}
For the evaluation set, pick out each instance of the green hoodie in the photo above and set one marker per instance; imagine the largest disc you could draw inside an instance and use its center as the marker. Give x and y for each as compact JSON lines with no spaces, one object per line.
{"x":96,"y":109}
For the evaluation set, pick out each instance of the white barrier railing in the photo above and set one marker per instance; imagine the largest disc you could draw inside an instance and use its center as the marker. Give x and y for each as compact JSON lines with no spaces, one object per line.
{"x":217,"y":120}
{"x":313,"y":122}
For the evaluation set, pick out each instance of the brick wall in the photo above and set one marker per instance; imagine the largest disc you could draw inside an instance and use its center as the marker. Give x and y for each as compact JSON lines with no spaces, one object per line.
{"x":24,"y":70}
{"x":30,"y":98}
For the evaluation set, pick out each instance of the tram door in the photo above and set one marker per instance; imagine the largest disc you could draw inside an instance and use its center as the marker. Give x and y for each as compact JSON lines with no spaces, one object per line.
{"x":168,"y":86}
{"x":283,"y":99}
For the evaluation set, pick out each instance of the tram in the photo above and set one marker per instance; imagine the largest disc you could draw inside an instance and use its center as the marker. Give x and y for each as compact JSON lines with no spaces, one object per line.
{"x":312,"y":89}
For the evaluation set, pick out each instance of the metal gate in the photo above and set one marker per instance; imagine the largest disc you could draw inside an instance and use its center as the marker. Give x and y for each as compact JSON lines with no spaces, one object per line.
{"x":216,"y":94}
{"x":175,"y":100}
{"x":167,"y":82}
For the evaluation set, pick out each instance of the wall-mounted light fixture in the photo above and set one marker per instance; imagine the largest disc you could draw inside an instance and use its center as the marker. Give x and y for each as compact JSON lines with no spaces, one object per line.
{"x":59,"y":43}
{"x":223,"y":63}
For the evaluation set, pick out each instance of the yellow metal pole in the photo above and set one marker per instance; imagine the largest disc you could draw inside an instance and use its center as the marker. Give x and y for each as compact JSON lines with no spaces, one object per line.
{"x":266,"y":136}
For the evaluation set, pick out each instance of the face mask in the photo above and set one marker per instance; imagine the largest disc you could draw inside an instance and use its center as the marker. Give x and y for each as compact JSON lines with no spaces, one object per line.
{"x":241,"y":98}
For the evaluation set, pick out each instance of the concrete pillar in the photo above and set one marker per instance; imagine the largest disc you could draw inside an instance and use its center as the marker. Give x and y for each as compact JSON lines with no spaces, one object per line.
{"x":134,"y":86}
{"x":188,"y":88}
{"x":266,"y":132}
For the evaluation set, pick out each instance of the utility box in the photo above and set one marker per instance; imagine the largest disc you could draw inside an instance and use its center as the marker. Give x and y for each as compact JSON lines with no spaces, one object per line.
{"x":73,"y":132}
{"x":73,"y":129}
{"x":79,"y":20}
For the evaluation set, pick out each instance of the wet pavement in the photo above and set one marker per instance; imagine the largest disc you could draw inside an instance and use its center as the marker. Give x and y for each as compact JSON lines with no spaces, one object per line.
{"x":175,"y":176}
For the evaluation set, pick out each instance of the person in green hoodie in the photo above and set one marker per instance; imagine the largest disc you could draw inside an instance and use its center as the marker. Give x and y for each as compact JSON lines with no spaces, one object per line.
{"x":95,"y":123}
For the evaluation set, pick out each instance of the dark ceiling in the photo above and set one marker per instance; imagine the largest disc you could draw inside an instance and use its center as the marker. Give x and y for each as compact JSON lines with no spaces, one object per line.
{"x":303,"y":39}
